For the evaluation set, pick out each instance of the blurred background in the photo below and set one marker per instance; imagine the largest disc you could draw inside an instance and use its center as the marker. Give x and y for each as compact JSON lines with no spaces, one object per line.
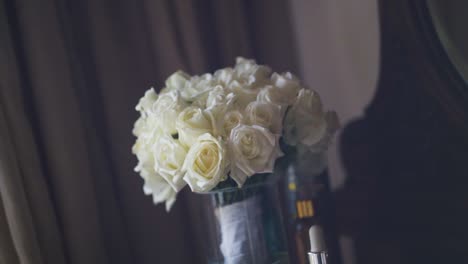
{"x":72,"y":72}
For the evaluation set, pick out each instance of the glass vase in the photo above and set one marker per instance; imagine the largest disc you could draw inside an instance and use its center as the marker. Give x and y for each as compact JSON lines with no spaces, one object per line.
{"x":246,"y":226}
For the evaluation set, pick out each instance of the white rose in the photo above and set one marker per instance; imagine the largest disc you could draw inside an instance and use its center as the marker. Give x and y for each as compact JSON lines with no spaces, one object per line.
{"x":169,"y":156}
{"x":146,"y":102}
{"x":147,"y":134}
{"x":224,"y":76}
{"x":286,"y":81}
{"x":249,"y":73}
{"x":217,"y":96}
{"x":139,"y":126}
{"x":266,"y":115}
{"x":191,"y":123}
{"x":244,"y":94}
{"x":154,"y":184}
{"x":248,"y":80}
{"x":231,"y":119}
{"x":219,"y":103}
{"x":143,"y":151}
{"x":199,"y":101}
{"x":198,"y":86}
{"x":176,"y":82}
{"x":161,"y":191}
{"x":166,"y":109}
{"x":147,"y":126}
{"x":332,"y":124}
{"x":205,"y":164}
{"x":254,"y":150}
{"x":305,"y":122}
{"x":283,"y":91}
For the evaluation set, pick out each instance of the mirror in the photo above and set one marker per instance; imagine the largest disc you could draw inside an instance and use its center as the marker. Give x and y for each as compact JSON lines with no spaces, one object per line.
{"x":450,"y":19}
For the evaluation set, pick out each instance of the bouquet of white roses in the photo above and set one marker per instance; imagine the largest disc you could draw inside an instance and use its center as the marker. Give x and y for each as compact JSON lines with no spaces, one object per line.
{"x":202,"y":130}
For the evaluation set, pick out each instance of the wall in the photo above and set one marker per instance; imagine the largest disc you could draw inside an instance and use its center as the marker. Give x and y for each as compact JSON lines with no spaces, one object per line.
{"x":338,"y":47}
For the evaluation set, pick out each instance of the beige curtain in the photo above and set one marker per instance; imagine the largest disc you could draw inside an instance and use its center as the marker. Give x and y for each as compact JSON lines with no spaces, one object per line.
{"x":70,"y":76}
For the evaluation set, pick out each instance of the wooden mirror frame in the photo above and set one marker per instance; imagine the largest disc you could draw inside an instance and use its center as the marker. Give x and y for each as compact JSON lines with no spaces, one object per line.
{"x":455,"y":98}
{"x":409,"y":25}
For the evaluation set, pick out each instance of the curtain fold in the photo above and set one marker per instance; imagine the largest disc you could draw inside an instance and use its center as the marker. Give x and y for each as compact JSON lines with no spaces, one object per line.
{"x":73,"y":72}
{"x":7,"y":250}
{"x":27,"y":210}
{"x":16,"y":208}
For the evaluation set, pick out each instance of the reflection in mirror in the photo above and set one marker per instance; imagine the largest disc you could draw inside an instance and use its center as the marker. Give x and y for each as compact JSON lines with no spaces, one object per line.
{"x":450,"y":20}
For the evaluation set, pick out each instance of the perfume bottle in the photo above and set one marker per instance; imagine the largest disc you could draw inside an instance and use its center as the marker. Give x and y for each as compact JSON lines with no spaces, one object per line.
{"x":318,"y":249}
{"x":310,"y":203}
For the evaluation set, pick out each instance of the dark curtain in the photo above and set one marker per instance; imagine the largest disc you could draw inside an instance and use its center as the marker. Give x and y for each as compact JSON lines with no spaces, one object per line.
{"x":71,"y":73}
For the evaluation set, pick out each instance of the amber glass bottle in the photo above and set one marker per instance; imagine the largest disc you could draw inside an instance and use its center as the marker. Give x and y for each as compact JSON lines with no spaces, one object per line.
{"x":309,"y":202}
